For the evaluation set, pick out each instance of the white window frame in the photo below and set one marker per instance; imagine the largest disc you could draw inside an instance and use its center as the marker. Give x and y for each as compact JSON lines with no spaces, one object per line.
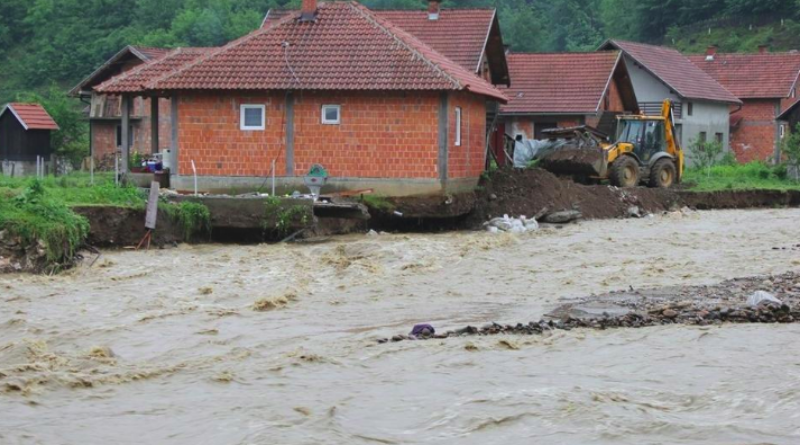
{"x":458,"y":127}
{"x":243,"y":126}
{"x":338,"y":119}
{"x":782,"y":130}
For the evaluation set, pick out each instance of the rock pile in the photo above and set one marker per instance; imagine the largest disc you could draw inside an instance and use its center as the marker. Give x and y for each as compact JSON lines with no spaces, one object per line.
{"x":734,"y":301}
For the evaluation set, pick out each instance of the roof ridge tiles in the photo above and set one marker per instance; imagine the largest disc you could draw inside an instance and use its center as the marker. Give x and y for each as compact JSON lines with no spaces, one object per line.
{"x":367,"y":14}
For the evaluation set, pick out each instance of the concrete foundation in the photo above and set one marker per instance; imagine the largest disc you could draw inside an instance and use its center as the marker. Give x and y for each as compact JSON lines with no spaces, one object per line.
{"x":286,"y":185}
{"x":23,"y":168}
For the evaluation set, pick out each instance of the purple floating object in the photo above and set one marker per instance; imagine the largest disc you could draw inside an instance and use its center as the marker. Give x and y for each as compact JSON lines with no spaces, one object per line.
{"x":423,"y":330}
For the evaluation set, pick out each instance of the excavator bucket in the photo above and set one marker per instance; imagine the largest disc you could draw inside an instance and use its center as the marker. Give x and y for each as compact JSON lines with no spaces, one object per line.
{"x":574,"y":160}
{"x":581,"y":154}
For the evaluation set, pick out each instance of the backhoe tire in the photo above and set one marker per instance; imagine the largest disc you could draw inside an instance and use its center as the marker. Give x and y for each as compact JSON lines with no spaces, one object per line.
{"x":625,"y":172}
{"x":663,"y":174}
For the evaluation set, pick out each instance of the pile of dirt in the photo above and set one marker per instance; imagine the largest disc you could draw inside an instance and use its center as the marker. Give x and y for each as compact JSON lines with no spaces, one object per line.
{"x":528,"y":192}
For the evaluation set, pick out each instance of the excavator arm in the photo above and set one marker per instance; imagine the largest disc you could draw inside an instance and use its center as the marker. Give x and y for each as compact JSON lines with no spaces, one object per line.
{"x":673,"y":147}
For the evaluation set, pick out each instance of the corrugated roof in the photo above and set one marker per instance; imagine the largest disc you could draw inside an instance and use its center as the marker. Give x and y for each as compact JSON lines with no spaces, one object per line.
{"x":347,"y":47}
{"x":751,"y":76}
{"x":675,"y":70}
{"x":459,"y":34}
{"x":31,"y":116}
{"x":558,"y":83}
{"x":138,"y":78}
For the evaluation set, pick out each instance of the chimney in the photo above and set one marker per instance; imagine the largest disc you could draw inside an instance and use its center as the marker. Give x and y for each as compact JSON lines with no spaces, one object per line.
{"x":763,"y":49}
{"x":308,"y":11}
{"x":710,"y":53}
{"x":433,"y":9}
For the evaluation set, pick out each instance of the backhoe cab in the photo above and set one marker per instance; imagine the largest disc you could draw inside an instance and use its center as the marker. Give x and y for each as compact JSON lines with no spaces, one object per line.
{"x":645,"y":151}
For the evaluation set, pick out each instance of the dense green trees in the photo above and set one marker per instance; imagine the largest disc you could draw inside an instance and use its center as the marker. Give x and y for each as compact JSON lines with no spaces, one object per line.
{"x":44,"y":41}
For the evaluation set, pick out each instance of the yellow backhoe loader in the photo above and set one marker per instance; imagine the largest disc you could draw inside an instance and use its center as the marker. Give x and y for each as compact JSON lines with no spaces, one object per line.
{"x":645,"y":151}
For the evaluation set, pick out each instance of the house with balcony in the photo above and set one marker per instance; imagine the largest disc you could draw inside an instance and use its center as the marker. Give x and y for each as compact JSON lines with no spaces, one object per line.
{"x":701,"y":106}
{"x":147,"y":131}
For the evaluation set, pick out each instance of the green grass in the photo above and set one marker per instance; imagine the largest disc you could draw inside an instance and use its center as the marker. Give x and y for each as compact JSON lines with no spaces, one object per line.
{"x":33,"y":215}
{"x":193,"y":218}
{"x":752,"y":176}
{"x":377,"y":202}
{"x":76,"y":189}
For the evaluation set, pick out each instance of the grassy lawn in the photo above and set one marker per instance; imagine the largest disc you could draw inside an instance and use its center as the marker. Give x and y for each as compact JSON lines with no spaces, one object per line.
{"x":752,"y":176}
{"x":77,"y":189}
{"x":40,"y":211}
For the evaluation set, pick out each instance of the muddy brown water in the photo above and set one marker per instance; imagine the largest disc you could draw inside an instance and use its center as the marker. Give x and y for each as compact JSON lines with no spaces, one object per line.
{"x":164,"y":347}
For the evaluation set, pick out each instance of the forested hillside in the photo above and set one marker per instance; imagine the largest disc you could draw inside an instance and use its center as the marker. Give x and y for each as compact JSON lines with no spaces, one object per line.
{"x":59,"y":41}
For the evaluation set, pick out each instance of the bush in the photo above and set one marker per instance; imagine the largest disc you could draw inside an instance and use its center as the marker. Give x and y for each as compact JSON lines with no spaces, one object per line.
{"x":33,"y":216}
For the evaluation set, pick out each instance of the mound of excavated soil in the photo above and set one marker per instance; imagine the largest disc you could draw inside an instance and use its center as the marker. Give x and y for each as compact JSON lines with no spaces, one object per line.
{"x":528,"y":192}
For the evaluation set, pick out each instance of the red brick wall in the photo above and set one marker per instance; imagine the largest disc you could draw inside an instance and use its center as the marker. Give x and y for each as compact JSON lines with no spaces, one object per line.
{"x":387,"y":135}
{"x":104,"y":137}
{"x":381,"y":135}
{"x":754,"y":137}
{"x":209,"y":134}
{"x":468,"y":159}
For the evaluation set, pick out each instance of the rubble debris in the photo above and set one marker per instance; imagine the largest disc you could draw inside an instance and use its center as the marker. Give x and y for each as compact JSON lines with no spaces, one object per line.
{"x":511,"y":225}
{"x":760,"y":297}
{"x":564,"y":217}
{"x":688,"y":305}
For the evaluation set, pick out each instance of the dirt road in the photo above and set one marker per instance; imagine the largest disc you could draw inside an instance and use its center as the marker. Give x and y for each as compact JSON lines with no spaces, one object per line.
{"x":166,"y":347}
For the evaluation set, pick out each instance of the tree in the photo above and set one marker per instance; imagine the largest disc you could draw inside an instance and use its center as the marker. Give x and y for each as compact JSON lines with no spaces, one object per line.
{"x":791,"y":150}
{"x":71,"y":140}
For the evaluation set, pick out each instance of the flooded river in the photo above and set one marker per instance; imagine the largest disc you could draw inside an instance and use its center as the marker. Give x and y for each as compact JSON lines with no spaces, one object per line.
{"x":165,"y":347}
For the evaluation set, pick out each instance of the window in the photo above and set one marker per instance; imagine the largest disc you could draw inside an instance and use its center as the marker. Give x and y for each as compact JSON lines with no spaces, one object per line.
{"x":331,"y":114}
{"x":458,"y":126}
{"x":782,"y":130}
{"x":252,"y":117}
{"x":703,"y":136}
{"x":689,"y":108}
{"x":119,"y":136}
{"x":718,"y":137}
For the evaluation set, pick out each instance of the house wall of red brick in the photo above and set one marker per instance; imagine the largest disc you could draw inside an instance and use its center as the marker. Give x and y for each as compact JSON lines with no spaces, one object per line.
{"x":382,"y":136}
{"x":104,"y":132}
{"x":753,"y":138}
{"x":468,"y":159}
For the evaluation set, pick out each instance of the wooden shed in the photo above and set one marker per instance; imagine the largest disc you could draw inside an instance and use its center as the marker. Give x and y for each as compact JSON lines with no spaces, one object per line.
{"x":25,"y":133}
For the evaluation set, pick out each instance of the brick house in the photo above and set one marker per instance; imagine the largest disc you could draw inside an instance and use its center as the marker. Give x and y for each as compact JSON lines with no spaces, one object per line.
{"x":105,"y":110}
{"x":766,"y":83}
{"x":701,"y":106}
{"x":335,"y":84}
{"x":564,"y":90}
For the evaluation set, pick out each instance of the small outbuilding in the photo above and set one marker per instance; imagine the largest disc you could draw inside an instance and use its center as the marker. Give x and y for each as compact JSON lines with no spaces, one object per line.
{"x":24,"y":136}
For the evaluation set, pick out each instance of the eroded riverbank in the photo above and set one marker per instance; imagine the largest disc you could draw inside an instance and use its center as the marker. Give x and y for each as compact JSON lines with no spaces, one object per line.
{"x":165,"y":347}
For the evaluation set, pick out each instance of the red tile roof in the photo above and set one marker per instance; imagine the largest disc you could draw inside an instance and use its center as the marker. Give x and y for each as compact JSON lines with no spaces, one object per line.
{"x":31,"y":116}
{"x":560,"y":83}
{"x":459,"y":34}
{"x":347,"y":47}
{"x":751,"y":76}
{"x":150,"y":53}
{"x":675,"y":70}
{"x":111,"y":66}
{"x":138,"y":78}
